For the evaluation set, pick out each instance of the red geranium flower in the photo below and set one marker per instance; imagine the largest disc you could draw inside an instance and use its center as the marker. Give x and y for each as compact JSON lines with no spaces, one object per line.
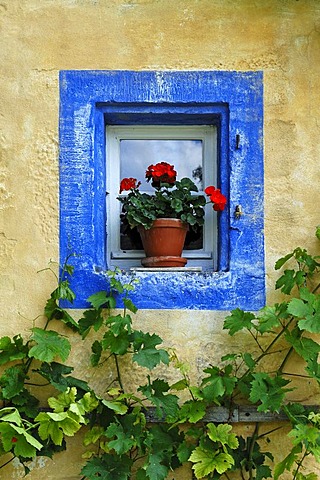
{"x":216,"y":197}
{"x":128,"y":184}
{"x":161,"y":172}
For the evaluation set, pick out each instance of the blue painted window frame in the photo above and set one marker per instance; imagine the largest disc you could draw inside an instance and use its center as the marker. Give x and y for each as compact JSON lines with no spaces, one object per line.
{"x":233,"y":101}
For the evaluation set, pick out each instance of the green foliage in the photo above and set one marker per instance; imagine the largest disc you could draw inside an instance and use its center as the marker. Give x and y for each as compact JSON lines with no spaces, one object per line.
{"x":120,"y":438}
{"x":48,"y":345}
{"x":214,"y":453}
{"x":174,"y":200}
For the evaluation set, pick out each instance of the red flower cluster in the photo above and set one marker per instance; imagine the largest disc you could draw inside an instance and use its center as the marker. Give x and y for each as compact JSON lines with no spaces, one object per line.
{"x":128,"y":184}
{"x":161,"y":172}
{"x":216,"y":197}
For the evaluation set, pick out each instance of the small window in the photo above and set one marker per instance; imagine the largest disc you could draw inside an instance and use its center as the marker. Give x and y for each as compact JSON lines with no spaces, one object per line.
{"x":130,"y":150}
{"x":141,"y":107}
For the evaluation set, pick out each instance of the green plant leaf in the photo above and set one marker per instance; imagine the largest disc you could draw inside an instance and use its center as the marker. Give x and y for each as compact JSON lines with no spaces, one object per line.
{"x":91,"y":319}
{"x":289,"y":280}
{"x":287,"y":462}
{"x":49,"y":345}
{"x":249,"y":360}
{"x":119,"y":324}
{"x":64,"y":292}
{"x":222,"y":434}
{"x":238,"y":320}
{"x":11,"y":415}
{"x":279,"y":263}
{"x":128,"y":303}
{"x":122,"y":442}
{"x":12,"y":350}
{"x":155,"y":470}
{"x":192,"y":411}
{"x":56,"y":425}
{"x":268,"y":318}
{"x":268,"y":391}
{"x":184,"y":451}
{"x":12,"y":381}
{"x":311,"y":323}
{"x":219,"y":383}
{"x":118,"y":344}
{"x":108,"y":467}
{"x":52,"y":310}
{"x":166,"y":404}
{"x":299,"y":308}
{"x":146,"y":354}
{"x":116,"y":406}
{"x":26,"y":403}
{"x":207,"y":461}
{"x":102,"y":299}
{"x":263,"y":471}
{"x":96,"y":349}
{"x":307,"y":348}
{"x":63,"y":400}
{"x":19,"y":440}
{"x":58,"y":375}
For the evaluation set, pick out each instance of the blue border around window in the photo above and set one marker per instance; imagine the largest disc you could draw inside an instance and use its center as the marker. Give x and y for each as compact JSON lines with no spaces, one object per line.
{"x":89,"y":99}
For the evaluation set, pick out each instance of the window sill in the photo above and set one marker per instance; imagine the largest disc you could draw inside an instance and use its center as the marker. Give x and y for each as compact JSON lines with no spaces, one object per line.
{"x":166,"y":269}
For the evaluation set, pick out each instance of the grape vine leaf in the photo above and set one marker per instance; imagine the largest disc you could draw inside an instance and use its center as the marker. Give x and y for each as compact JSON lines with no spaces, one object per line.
{"x":18,"y":439}
{"x":269,"y":391}
{"x":155,"y":469}
{"x":91,"y":318}
{"x":58,"y":375}
{"x":118,"y":344}
{"x":238,"y":320}
{"x":12,"y":381}
{"x":222,"y":434}
{"x":108,"y":467}
{"x":102,"y":299}
{"x":166,"y":404}
{"x":287,"y":462}
{"x":192,"y":411}
{"x":146,"y":354}
{"x":12,"y":350}
{"x":207,"y":461}
{"x":52,"y":310}
{"x":122,"y":443}
{"x":289,"y":280}
{"x":49,"y":345}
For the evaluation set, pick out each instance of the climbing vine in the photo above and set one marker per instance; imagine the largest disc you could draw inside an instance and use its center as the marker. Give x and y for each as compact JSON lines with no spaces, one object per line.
{"x":147,"y":431}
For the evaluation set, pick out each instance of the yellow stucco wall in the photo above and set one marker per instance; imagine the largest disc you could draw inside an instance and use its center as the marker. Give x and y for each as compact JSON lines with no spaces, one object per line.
{"x":40,"y":37}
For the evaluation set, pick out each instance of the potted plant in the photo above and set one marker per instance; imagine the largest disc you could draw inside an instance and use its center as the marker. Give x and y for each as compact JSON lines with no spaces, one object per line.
{"x":164,"y":217}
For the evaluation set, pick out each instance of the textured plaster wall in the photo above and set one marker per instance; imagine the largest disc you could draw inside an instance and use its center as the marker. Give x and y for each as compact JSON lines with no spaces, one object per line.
{"x":40,"y":37}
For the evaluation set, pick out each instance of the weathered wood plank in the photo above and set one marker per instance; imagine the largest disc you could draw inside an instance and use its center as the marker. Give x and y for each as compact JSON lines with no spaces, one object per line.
{"x":240,"y":414}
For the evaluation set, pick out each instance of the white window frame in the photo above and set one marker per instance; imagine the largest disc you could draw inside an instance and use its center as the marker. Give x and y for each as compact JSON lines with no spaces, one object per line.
{"x":206,"y":258}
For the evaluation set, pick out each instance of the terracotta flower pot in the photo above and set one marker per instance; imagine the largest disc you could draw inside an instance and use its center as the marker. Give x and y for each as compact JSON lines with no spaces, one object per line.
{"x":163,"y":243}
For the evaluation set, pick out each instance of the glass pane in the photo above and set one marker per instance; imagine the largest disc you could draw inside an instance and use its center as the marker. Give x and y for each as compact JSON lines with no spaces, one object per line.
{"x":185,"y":155}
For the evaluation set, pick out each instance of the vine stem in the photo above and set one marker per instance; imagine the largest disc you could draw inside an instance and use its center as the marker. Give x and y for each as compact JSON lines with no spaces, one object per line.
{"x":266,"y":351}
{"x":115,"y":356}
{"x":253,"y":440}
{"x":299,"y":465}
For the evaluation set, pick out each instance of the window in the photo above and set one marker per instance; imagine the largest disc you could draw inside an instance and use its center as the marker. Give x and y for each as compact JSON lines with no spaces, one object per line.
{"x":193,"y":152}
{"x":92,"y":103}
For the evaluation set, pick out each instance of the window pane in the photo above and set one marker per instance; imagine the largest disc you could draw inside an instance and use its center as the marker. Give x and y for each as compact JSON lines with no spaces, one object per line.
{"x":185,"y":155}
{"x":137,"y":155}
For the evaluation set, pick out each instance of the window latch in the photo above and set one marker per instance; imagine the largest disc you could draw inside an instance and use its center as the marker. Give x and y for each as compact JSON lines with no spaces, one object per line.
{"x":238,"y":212}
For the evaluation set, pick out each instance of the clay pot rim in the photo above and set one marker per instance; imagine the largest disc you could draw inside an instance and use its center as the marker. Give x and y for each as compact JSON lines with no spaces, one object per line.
{"x":165,"y":222}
